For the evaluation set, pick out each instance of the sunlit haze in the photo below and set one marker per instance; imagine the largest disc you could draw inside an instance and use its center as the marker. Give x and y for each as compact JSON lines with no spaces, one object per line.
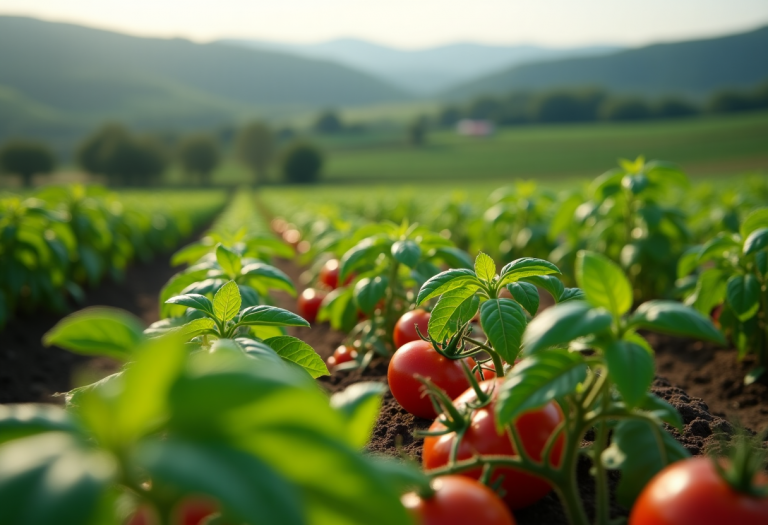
{"x":407,"y":23}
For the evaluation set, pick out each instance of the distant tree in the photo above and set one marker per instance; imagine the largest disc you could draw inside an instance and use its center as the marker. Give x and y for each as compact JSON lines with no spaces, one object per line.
{"x":625,"y":109}
{"x":302,"y":163}
{"x":486,"y":108}
{"x":26,"y":158}
{"x":328,"y":122}
{"x":123,"y":158}
{"x":517,"y":108}
{"x":256,"y":149}
{"x":733,"y":101}
{"x":675,"y":107}
{"x":567,"y":106}
{"x":417,"y":131}
{"x":449,"y":116}
{"x":199,"y":156}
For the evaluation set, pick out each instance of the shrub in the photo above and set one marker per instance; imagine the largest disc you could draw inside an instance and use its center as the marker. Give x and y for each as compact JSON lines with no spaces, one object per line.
{"x":302,"y":164}
{"x":26,"y":158}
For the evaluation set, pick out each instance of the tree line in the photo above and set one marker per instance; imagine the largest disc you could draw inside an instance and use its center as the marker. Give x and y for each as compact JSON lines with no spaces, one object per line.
{"x":126,"y":158}
{"x":585,"y":105}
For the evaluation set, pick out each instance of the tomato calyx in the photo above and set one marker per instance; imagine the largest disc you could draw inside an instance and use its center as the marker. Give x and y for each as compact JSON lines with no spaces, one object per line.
{"x":455,"y":348}
{"x":744,"y":459}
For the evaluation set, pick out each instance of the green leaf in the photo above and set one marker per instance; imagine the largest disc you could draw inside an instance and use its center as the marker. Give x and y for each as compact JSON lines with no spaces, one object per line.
{"x":640,"y":450}
{"x":538,"y":379}
{"x":360,"y":404}
{"x":709,"y":292}
{"x":550,"y":283}
{"x":563,"y":323}
{"x":259,"y":350}
{"x":572,"y":294}
{"x":485,"y":268}
{"x":688,"y":262}
{"x":716,"y":248}
{"x":743,"y":295}
{"x":756,"y":241}
{"x":226,"y":302}
{"x":406,"y":252}
{"x":447,"y":281}
{"x":674,"y":318}
{"x":198,"y":327}
{"x":503,"y":322}
{"x":603,"y":282}
{"x":526,"y":294}
{"x":270,"y":316}
{"x":270,"y":276}
{"x":98,"y":331}
{"x":246,"y":487}
{"x":662,"y":410}
{"x":366,"y":251}
{"x":368,"y":292}
{"x":526,"y":267}
{"x":755,"y":220}
{"x":191,"y":253}
{"x":52,"y":478}
{"x":446,"y":314}
{"x":19,"y":421}
{"x":631,"y":368}
{"x":453,"y":257}
{"x":753,"y":375}
{"x":229,"y":261}
{"x":299,"y":352}
{"x":339,"y":308}
{"x":193,"y":300}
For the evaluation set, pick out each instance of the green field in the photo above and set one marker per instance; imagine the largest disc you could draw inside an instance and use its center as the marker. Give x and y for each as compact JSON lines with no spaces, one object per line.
{"x":703,"y":146}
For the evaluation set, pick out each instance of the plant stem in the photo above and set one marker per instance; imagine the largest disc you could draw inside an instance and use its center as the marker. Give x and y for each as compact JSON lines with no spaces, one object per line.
{"x":389,"y":312}
{"x":602,"y":504}
{"x":498,"y":364}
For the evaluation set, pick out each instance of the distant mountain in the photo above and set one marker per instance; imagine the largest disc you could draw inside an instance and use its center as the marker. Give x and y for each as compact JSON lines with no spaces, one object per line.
{"x":424,"y":71}
{"x":694,"y":68}
{"x":51,"y":71}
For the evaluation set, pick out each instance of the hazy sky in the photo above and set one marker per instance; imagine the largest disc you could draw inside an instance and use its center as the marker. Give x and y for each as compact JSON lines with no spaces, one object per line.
{"x":411,"y":23}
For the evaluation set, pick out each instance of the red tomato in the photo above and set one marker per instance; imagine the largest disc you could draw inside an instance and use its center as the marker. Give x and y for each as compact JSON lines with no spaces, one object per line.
{"x":309,"y":303}
{"x":534,"y":428}
{"x":418,"y":357}
{"x":458,"y":501}
{"x":292,"y":236}
{"x":192,"y":511}
{"x":715,"y":314}
{"x":329,"y":274}
{"x":405,"y":328}
{"x":343,"y":354}
{"x":692,"y":492}
{"x":143,"y":516}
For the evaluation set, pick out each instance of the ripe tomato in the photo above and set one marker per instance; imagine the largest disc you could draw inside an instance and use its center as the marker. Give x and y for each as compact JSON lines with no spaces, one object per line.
{"x":191,"y":511}
{"x":534,"y":428}
{"x":458,"y":501}
{"x":418,"y":357}
{"x":405,"y":328}
{"x":329,"y":274}
{"x":343,"y":354}
{"x":309,"y":303}
{"x":715,"y":314}
{"x":692,"y":492}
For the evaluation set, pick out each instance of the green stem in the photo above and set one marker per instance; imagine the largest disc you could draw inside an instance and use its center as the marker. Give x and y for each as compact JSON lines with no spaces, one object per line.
{"x":498,"y":364}
{"x":390,"y":319}
{"x":602,"y":505}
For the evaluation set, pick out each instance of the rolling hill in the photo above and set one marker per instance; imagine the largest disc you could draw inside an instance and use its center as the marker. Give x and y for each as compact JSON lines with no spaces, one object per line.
{"x":425,"y":71}
{"x":693,"y":68}
{"x":88,"y":74}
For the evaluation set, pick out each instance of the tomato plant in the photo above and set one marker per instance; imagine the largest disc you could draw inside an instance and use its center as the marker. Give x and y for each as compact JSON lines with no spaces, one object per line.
{"x":585,"y":355}
{"x":456,"y":500}
{"x":479,"y":436}
{"x":390,"y":262}
{"x":420,"y":359}
{"x":734,"y":279}
{"x":405,"y":328}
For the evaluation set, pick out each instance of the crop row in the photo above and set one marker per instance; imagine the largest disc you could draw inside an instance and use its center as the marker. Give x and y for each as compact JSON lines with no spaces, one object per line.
{"x":58,"y":240}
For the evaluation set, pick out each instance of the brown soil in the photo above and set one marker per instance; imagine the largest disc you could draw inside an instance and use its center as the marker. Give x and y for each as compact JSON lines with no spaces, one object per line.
{"x":31,"y":372}
{"x":394,"y":429}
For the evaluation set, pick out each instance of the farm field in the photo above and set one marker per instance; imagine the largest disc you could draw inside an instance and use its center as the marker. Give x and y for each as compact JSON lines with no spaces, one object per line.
{"x":706,"y":147}
{"x":607,"y":304}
